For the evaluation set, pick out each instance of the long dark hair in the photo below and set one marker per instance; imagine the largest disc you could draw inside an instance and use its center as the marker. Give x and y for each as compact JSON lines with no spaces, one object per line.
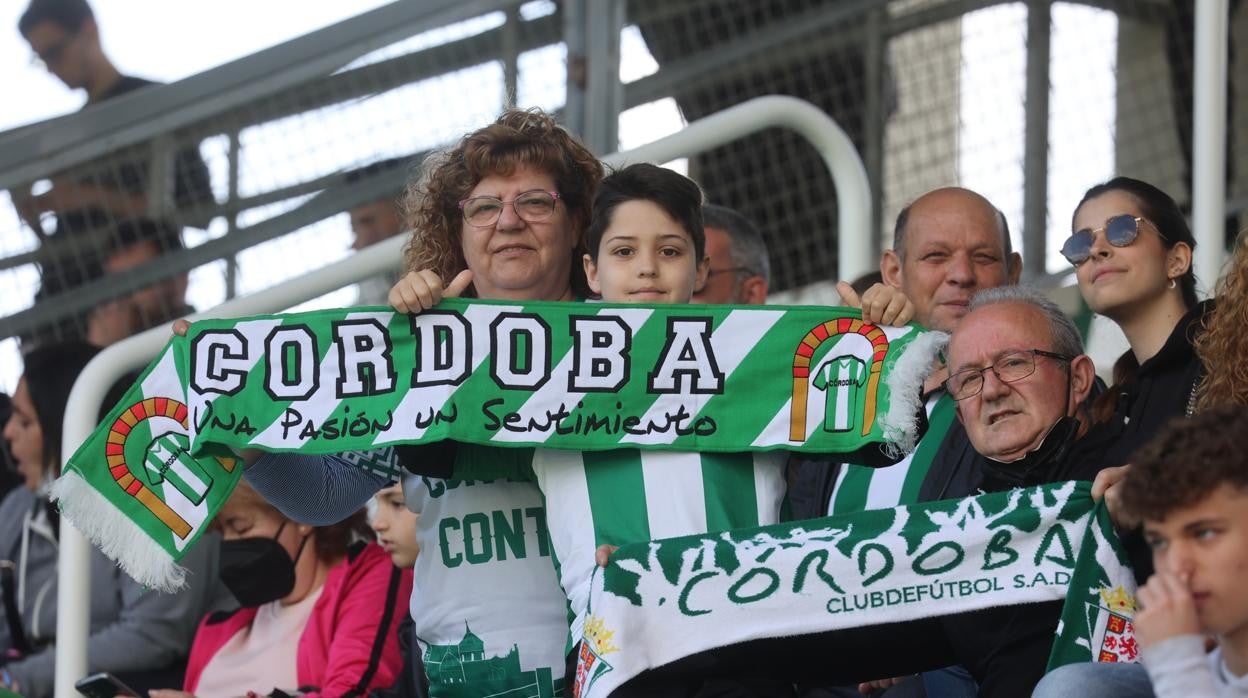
{"x":50,"y":372}
{"x":1162,"y":211}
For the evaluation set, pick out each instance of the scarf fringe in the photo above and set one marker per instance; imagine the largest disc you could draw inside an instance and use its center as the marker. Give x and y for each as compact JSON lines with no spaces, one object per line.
{"x":905,"y":392}
{"x":119,"y":538}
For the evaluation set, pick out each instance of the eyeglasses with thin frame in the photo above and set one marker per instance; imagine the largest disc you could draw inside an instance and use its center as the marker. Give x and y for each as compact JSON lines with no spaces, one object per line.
{"x":729,"y":270}
{"x":1009,"y":367}
{"x":1120,"y":231}
{"x":533,"y":206}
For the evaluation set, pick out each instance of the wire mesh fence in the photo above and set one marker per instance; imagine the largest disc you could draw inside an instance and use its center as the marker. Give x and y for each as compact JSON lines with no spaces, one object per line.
{"x":933,"y":92}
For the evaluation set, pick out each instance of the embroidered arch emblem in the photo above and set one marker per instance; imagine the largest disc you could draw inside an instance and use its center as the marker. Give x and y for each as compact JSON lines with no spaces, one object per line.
{"x":832,"y":330}
{"x":164,"y":450}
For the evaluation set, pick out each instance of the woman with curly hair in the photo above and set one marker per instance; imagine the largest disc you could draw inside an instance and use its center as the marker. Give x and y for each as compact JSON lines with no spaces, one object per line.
{"x":1132,"y":252}
{"x":501,"y":215}
{"x":1221,"y":347}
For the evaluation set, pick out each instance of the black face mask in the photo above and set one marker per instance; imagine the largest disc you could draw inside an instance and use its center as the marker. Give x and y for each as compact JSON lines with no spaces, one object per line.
{"x":258,"y":570}
{"x":1043,"y":465}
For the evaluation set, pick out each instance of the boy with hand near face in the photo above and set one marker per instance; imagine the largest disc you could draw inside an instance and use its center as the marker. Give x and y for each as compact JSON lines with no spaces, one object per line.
{"x":1190,"y":487}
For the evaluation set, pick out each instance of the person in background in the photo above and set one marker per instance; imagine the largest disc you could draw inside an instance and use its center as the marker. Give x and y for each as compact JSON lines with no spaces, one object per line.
{"x":947,"y":244}
{"x":373,"y":222}
{"x":740,"y":269}
{"x":319,"y":608}
{"x":138,"y":634}
{"x":395,"y":525}
{"x":133,"y":244}
{"x":85,"y":203}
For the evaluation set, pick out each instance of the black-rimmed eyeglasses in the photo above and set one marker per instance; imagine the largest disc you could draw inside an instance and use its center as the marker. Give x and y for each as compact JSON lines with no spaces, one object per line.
{"x":1008,"y":368}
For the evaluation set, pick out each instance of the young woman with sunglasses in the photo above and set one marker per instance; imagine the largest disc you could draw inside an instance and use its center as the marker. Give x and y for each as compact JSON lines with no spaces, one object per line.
{"x":1132,"y":251}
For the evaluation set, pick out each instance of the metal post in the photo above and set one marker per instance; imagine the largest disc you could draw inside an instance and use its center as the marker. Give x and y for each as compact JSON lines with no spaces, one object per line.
{"x":73,"y":596}
{"x":1036,"y":141}
{"x":574,"y":39}
{"x":159,"y":191}
{"x":873,"y":123}
{"x":510,"y":51}
{"x":231,"y":219}
{"x":604,"y":95}
{"x":1209,"y":138}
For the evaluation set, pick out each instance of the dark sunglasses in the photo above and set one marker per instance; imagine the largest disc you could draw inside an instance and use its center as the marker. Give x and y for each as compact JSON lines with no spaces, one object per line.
{"x":1120,"y":231}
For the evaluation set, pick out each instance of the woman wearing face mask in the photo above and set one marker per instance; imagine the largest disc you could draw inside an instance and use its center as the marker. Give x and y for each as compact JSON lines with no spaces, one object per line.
{"x":138,"y":634}
{"x":1132,"y":252}
{"x":319,"y":613}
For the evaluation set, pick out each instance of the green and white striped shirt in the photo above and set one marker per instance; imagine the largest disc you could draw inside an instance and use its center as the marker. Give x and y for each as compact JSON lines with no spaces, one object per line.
{"x":629,"y":495}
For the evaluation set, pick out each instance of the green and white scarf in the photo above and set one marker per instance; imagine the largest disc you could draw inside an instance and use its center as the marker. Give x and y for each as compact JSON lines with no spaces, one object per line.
{"x":560,"y":375}
{"x":660,"y":601}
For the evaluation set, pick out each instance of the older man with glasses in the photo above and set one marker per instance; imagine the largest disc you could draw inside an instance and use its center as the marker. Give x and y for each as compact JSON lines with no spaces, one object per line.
{"x":1020,"y":379}
{"x":740,"y":269}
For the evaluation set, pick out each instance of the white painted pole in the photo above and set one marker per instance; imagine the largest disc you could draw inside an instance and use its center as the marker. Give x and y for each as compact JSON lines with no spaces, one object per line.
{"x":1209,"y":139}
{"x":74,"y":563}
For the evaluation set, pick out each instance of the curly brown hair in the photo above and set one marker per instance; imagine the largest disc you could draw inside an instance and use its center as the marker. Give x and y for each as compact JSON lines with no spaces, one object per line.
{"x":1223,"y":347}
{"x":1187,"y":460}
{"x":518,"y":138}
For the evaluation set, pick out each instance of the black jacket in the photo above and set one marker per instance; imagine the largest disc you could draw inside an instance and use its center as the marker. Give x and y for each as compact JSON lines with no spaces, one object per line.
{"x":1164,"y":388}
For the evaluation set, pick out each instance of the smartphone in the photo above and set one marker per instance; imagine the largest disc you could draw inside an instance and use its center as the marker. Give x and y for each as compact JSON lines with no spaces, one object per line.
{"x":104,"y":685}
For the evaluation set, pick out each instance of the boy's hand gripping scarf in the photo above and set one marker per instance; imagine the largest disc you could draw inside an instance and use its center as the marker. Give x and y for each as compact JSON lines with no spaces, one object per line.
{"x":560,"y":375}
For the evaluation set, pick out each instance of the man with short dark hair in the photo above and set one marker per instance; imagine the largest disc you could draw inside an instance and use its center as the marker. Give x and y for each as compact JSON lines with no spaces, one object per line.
{"x":92,"y":198}
{"x":740,"y":269}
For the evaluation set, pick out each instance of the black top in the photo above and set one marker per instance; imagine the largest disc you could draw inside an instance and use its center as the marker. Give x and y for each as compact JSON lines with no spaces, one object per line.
{"x":127,"y":171}
{"x":1164,"y":388}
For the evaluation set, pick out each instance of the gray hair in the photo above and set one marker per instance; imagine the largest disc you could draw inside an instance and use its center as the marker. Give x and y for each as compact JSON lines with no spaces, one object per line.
{"x":747,"y":247}
{"x":1065,"y":336}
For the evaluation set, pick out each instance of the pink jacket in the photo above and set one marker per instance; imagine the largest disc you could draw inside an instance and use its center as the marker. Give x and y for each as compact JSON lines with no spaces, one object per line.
{"x":350,"y":644}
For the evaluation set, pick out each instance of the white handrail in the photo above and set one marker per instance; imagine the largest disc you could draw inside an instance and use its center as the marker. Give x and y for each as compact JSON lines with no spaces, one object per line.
{"x":74,"y":564}
{"x":849,"y":176}
{"x":1209,"y":139}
